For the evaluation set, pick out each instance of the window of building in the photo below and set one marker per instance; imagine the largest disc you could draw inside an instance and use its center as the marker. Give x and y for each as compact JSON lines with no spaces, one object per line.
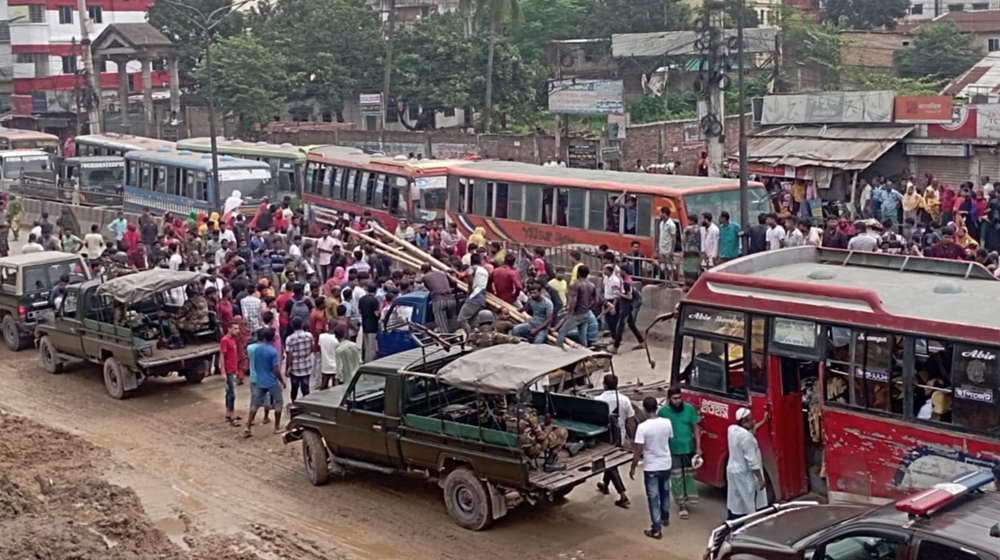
{"x":981,"y":6}
{"x":158,"y":65}
{"x":69,"y":65}
{"x":956,"y":7}
{"x":65,"y":15}
{"x":36,"y":13}
{"x":371,"y":122}
{"x":993,"y":45}
{"x":448,"y":111}
{"x":916,"y":9}
{"x":96,"y":14}
{"x":413,"y":112}
{"x":4,"y":33}
{"x":131,"y":83}
{"x":864,"y":369}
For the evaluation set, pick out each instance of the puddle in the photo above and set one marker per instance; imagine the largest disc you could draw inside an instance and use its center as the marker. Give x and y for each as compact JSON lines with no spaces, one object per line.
{"x":174,"y":529}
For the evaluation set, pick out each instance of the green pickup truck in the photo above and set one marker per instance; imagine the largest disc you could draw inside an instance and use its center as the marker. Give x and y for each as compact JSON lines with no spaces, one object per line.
{"x":450,"y":413}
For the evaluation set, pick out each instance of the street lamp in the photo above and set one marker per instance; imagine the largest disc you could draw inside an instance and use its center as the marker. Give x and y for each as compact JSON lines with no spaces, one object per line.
{"x":207,"y":23}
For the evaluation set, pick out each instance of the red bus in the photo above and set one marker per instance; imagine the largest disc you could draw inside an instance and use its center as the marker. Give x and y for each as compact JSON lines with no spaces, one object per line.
{"x":883,"y":367}
{"x":346,"y":180}
{"x":558,"y":206}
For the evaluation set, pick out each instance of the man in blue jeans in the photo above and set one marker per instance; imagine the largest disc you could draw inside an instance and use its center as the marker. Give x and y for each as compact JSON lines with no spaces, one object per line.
{"x":579,"y":301}
{"x":540,"y":308}
{"x":230,"y":361}
{"x":652,"y":445}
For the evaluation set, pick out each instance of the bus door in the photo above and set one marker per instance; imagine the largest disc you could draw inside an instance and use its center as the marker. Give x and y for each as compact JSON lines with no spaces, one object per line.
{"x":794,"y":360}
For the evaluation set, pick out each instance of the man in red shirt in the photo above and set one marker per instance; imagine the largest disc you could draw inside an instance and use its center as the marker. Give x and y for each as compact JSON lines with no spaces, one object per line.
{"x":506,"y":281}
{"x":224,"y":308}
{"x":229,"y":359}
{"x":282,"y":316}
{"x":947,"y":248}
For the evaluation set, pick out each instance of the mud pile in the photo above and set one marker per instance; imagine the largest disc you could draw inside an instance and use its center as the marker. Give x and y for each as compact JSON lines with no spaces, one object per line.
{"x":55,"y":506}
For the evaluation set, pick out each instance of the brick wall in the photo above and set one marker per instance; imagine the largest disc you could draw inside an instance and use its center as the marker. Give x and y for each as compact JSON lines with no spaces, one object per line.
{"x":667,"y":141}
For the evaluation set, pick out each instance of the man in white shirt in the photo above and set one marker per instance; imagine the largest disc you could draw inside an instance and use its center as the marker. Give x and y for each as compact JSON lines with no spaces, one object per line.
{"x":865,"y":199}
{"x":864,"y":241}
{"x":405,"y":231}
{"x":793,"y":237}
{"x":220,"y":255}
{"x":620,"y":407}
{"x":813,"y":236}
{"x":33,"y":246}
{"x":745,"y":482}
{"x":775,"y":235}
{"x":325,"y":248}
{"x":987,"y":187}
{"x":652,"y":445}
{"x":176,"y":259}
{"x":327,"y":357}
{"x":709,"y":240}
{"x":476,"y":300}
{"x":666,"y":243}
{"x":94,"y":243}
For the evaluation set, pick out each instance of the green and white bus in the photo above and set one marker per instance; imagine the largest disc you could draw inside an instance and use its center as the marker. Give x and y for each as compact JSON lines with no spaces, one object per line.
{"x":287,"y":161}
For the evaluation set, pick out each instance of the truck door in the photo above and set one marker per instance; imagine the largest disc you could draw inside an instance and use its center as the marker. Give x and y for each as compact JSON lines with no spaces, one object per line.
{"x":394,"y":335}
{"x":362,"y":422}
{"x":67,"y":336}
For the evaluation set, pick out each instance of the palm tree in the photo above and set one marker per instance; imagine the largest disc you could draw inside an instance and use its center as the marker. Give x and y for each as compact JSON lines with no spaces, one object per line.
{"x":475,"y":12}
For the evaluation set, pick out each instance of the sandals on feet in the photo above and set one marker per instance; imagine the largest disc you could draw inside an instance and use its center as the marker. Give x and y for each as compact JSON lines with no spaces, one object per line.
{"x":623,"y":503}
{"x":603,"y":488}
{"x":653,"y":534}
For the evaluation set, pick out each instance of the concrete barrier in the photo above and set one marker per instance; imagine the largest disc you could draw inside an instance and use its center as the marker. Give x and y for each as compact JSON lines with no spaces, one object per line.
{"x":86,"y":216}
{"x":657,"y":300}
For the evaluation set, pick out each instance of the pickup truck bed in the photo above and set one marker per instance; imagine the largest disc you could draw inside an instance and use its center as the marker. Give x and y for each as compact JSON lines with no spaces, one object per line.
{"x":597,"y":458}
{"x":167,"y":355}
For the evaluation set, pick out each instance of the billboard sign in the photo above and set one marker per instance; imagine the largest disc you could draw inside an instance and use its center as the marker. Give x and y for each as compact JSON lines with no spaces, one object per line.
{"x":988,"y":121}
{"x":840,"y":107}
{"x":586,"y":97}
{"x":964,"y":124}
{"x":371,"y":104}
{"x":923,"y":109}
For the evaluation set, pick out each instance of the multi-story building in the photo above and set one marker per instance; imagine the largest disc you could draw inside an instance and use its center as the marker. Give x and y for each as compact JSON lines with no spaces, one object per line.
{"x":930,"y":9}
{"x":44,"y":58}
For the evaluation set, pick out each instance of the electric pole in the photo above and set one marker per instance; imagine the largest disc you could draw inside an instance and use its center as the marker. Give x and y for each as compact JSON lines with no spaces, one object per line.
{"x":93,"y":80}
{"x":390,"y":29}
{"x":740,"y":49}
{"x":712,"y":101}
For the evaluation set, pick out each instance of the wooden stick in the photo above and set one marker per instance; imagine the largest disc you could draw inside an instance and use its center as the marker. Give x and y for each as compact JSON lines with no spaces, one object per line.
{"x":391,"y":251}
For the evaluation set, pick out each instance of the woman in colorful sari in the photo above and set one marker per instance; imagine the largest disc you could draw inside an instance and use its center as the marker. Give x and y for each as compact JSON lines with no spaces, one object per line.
{"x":932,"y":204}
{"x":844,"y":225}
{"x":947,"y":204}
{"x":912,"y":203}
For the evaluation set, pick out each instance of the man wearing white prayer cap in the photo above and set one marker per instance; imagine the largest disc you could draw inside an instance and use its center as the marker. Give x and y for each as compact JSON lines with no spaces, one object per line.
{"x":746,"y":492}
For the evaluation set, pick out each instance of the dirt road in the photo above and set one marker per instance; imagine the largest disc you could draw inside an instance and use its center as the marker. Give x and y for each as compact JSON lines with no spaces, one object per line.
{"x":195,"y":476}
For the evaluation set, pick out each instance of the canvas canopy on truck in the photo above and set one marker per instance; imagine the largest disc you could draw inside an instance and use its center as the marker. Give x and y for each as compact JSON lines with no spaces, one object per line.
{"x":507,"y":368}
{"x":132,"y":288}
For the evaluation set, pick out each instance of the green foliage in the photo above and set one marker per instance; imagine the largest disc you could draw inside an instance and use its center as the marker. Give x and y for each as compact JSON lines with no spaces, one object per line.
{"x":607,"y":17}
{"x":672,"y":105}
{"x":333,"y":48}
{"x":867,"y":14}
{"x":754,"y":85}
{"x":248,"y":80}
{"x":813,"y":45}
{"x":436,"y":66}
{"x":544,"y":21}
{"x":182,"y":21}
{"x":940,"y":52}
{"x":880,"y":81}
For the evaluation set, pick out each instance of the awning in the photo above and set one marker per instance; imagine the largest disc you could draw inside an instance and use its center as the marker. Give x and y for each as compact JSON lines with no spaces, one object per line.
{"x":838,"y":147}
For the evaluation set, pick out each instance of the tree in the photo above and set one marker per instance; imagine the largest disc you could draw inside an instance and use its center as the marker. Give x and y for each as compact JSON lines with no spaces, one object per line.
{"x":333,"y":48}
{"x":881,"y":81}
{"x":607,"y":17}
{"x":174,"y":20}
{"x":436,"y":66}
{"x":867,"y":14}
{"x":940,"y":52}
{"x":249,"y":80}
{"x":544,"y":21}
{"x":810,"y":45}
{"x":497,"y":11}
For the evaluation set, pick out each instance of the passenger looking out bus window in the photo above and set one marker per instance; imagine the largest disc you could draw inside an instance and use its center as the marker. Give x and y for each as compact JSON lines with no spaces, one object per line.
{"x":626,"y":204}
{"x":932,"y":392}
{"x":864,"y":369}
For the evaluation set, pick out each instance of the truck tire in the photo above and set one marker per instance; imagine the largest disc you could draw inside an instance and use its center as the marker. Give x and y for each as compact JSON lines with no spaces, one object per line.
{"x":467,"y":499}
{"x":315,"y":458}
{"x":50,"y":358}
{"x":12,"y":335}
{"x":114,"y":379}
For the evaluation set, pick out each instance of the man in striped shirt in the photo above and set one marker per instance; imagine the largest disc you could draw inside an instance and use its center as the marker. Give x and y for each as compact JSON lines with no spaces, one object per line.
{"x":251,"y":306}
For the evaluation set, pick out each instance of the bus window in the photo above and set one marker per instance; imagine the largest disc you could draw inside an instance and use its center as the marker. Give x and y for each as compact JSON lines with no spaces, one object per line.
{"x":201,"y":187}
{"x":500,"y":201}
{"x":147,"y":177}
{"x":548,"y":195}
{"x":515,"y":202}
{"x":367,"y":188}
{"x":864,"y":369}
{"x":159,"y":179}
{"x":464,"y":202}
{"x":480,"y":200}
{"x":714,"y":365}
{"x":338,"y":183}
{"x":644,"y":216}
{"x":312,"y":174}
{"x":728,"y":200}
{"x":562,"y":207}
{"x":189,"y":184}
{"x":533,"y":204}
{"x":577,"y":213}
{"x":172,"y":181}
{"x":596,"y":210}
{"x":350,"y":192}
{"x":976,"y":383}
{"x":757,"y":381}
{"x":397,"y":197}
{"x":132,"y":174}
{"x":932,"y":385}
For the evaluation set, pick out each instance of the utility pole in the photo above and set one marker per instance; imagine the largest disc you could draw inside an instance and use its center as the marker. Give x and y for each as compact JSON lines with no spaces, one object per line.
{"x":391,"y":27}
{"x":93,"y":80}
{"x":712,"y":102}
{"x":744,"y":186}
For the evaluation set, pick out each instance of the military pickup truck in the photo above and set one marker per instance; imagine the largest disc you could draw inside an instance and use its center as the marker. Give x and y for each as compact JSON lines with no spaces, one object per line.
{"x":25,"y":284}
{"x":457,"y":415}
{"x":117,"y":324}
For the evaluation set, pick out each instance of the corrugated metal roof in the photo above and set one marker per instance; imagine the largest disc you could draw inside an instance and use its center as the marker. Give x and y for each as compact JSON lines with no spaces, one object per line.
{"x":972,"y":21}
{"x":678,"y":43}
{"x":838,"y":147}
{"x":984,"y":76}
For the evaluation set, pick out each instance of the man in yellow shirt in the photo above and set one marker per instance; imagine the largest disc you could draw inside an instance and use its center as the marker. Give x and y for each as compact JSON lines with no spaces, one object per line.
{"x":577,"y":263}
{"x":559,"y":284}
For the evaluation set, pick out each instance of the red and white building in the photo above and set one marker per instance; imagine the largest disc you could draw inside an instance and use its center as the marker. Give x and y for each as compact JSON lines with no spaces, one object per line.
{"x":43,"y":65}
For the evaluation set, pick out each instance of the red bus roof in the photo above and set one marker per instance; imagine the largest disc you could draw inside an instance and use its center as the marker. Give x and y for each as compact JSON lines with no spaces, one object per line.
{"x":935,"y":297}
{"x":354,"y":157}
{"x":636,"y":183}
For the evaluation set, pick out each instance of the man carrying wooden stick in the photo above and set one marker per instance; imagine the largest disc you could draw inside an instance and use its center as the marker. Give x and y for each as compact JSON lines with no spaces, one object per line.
{"x":442,"y":297}
{"x":474,"y":303}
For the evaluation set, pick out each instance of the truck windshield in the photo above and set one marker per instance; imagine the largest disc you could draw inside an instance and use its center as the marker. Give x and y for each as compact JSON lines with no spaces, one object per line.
{"x":102,"y":176}
{"x":13,"y":167}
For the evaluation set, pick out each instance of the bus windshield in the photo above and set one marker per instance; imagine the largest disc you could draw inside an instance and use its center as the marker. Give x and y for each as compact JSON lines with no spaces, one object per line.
{"x":102,"y":175}
{"x":253,"y":184}
{"x":14,"y":167}
{"x":433,"y":192}
{"x":729,"y":201}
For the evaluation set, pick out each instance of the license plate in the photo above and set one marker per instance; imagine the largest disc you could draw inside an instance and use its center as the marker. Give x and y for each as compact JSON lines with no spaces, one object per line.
{"x":598,"y":465}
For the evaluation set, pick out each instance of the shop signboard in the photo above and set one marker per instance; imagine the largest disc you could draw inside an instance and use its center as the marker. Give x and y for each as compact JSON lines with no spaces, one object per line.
{"x":923,"y":109}
{"x":587,"y":97}
{"x":583,"y":156}
{"x":839,"y":107}
{"x":371,"y":104}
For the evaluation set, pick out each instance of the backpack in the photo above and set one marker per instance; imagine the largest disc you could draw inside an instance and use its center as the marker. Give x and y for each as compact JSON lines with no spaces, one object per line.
{"x":300,"y":309}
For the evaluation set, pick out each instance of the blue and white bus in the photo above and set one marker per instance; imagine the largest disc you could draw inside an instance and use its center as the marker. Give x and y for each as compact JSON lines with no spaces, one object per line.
{"x":180,"y":182}
{"x":114,"y":144}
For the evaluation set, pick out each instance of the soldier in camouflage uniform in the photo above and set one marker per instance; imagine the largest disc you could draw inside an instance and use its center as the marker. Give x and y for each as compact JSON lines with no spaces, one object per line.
{"x":535,"y":438}
{"x":192,"y":317}
{"x":485,"y":338}
{"x":118,"y":265}
{"x":492,"y":410}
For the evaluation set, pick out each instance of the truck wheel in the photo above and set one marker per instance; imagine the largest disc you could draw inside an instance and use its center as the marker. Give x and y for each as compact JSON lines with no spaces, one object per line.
{"x":12,"y":336}
{"x":114,"y":379}
{"x":194,"y":377}
{"x":49,"y":356}
{"x":467,"y":500}
{"x":315,"y":458}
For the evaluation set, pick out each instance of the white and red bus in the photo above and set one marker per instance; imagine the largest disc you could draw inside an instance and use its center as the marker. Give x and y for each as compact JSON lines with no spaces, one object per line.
{"x":883,"y":367}
{"x":346,"y":180}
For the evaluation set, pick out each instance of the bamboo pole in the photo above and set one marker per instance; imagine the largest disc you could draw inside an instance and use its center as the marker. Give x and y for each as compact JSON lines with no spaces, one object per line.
{"x":390,"y":251}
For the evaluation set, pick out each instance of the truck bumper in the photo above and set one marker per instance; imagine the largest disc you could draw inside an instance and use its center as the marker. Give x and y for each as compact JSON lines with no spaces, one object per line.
{"x":292,"y":435}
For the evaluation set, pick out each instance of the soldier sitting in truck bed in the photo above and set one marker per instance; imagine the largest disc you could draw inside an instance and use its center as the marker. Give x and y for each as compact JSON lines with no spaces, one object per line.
{"x":537,"y":439}
{"x":191,"y":318}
